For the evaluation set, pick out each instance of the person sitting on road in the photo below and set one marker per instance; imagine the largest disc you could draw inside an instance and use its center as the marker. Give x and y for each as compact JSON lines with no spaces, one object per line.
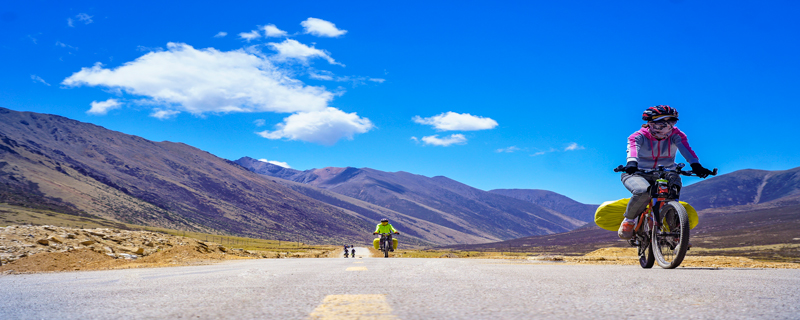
{"x":655,"y":144}
{"x":385,"y":227}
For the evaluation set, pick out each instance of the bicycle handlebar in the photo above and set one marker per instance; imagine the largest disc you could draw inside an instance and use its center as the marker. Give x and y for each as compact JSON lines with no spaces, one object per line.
{"x":621,"y":168}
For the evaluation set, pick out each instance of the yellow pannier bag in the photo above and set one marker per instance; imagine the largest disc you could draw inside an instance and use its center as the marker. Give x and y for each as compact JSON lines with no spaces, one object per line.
{"x":611,"y":213}
{"x":377,"y":242}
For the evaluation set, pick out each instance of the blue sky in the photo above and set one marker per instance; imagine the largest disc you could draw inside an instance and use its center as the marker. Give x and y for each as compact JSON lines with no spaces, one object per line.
{"x":494,"y":94}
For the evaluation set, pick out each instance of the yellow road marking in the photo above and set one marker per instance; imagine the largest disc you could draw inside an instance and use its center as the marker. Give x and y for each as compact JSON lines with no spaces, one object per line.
{"x":354,"y":306}
{"x":357,"y":269}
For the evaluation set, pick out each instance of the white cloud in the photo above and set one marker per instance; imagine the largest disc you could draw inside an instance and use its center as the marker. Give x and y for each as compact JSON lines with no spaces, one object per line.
{"x":291,"y":49}
{"x":164,"y":114}
{"x":325,"y":127}
{"x":277,"y":163}
{"x":220,"y":34}
{"x":452,"y":121}
{"x":260,"y":122}
{"x":446,"y":141}
{"x":102,"y":107}
{"x":70,"y":23}
{"x":85,"y":18}
{"x":36,"y":78}
{"x":570,"y":147}
{"x":207,"y":80}
{"x":272,"y":31}
{"x":249,"y":36}
{"x":573,"y":146}
{"x":510,"y":149}
{"x":330,"y":76}
{"x":321,"y":75}
{"x":321,"y":28}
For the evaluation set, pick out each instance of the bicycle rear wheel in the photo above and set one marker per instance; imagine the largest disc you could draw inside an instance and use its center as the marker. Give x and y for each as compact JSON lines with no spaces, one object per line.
{"x":646,"y":258}
{"x":670,"y":241}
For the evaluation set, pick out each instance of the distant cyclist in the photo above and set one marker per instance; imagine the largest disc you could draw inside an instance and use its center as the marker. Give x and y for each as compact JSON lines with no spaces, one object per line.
{"x":655,"y":144}
{"x":385,"y":227}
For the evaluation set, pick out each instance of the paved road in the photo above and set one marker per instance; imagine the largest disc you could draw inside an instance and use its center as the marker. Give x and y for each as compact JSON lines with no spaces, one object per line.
{"x":403,"y":289}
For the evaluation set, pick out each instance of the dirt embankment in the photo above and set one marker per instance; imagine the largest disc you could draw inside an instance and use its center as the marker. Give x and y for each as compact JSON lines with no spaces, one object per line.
{"x":26,"y":249}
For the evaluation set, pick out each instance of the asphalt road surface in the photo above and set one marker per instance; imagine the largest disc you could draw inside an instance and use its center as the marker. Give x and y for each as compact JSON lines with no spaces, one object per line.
{"x":379,"y":288}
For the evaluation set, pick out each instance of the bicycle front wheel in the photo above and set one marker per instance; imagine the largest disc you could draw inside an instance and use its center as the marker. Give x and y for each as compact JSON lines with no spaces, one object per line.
{"x":670,"y":241}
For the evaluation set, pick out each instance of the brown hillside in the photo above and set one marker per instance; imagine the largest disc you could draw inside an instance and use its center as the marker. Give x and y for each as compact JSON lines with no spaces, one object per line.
{"x":55,"y":163}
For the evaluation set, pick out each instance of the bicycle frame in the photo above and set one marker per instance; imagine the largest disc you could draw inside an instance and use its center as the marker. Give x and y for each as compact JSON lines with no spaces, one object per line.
{"x":657,"y":239}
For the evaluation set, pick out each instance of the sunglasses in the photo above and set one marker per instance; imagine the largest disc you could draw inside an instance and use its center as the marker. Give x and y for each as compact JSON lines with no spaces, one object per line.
{"x":658,"y":125}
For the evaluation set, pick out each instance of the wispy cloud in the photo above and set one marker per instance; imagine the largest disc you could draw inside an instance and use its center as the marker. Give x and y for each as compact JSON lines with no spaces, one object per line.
{"x":510,"y":149}
{"x":220,"y":34}
{"x":102,"y":107}
{"x":39,"y":79}
{"x":321,"y":28}
{"x":85,"y":18}
{"x":573,"y":146}
{"x":434,"y":140}
{"x":260,"y":122}
{"x":451,"y":121}
{"x":249,"y":36}
{"x":82,"y":17}
{"x":292,"y":49}
{"x":64,"y":45}
{"x":271,"y":31}
{"x":164,"y":114}
{"x":149,"y":49}
{"x":330,"y":76}
{"x":277,"y":163}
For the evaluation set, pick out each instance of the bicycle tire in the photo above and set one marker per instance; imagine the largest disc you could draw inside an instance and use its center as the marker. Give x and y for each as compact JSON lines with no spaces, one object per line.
{"x":670,"y":241}
{"x":646,"y":257}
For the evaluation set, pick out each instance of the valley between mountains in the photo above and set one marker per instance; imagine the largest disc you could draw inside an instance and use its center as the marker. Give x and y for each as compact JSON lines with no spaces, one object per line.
{"x":55,"y":163}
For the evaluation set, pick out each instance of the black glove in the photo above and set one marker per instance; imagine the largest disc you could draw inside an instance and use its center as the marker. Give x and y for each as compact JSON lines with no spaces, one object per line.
{"x":700,"y":171}
{"x":631,"y":167}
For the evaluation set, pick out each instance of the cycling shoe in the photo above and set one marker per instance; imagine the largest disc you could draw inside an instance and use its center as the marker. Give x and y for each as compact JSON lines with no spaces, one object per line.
{"x":625,"y":230}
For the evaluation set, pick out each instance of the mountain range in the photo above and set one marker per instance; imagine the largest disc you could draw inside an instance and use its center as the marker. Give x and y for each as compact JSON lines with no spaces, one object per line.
{"x":58,"y":164}
{"x":55,"y":163}
{"x":462,"y":213}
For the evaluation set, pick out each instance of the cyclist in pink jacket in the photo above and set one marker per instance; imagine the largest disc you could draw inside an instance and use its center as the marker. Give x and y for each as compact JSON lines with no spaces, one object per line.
{"x":655,"y":144}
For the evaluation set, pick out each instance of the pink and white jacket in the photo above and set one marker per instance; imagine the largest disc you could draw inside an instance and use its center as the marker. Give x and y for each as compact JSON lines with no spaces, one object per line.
{"x":650,"y":152}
